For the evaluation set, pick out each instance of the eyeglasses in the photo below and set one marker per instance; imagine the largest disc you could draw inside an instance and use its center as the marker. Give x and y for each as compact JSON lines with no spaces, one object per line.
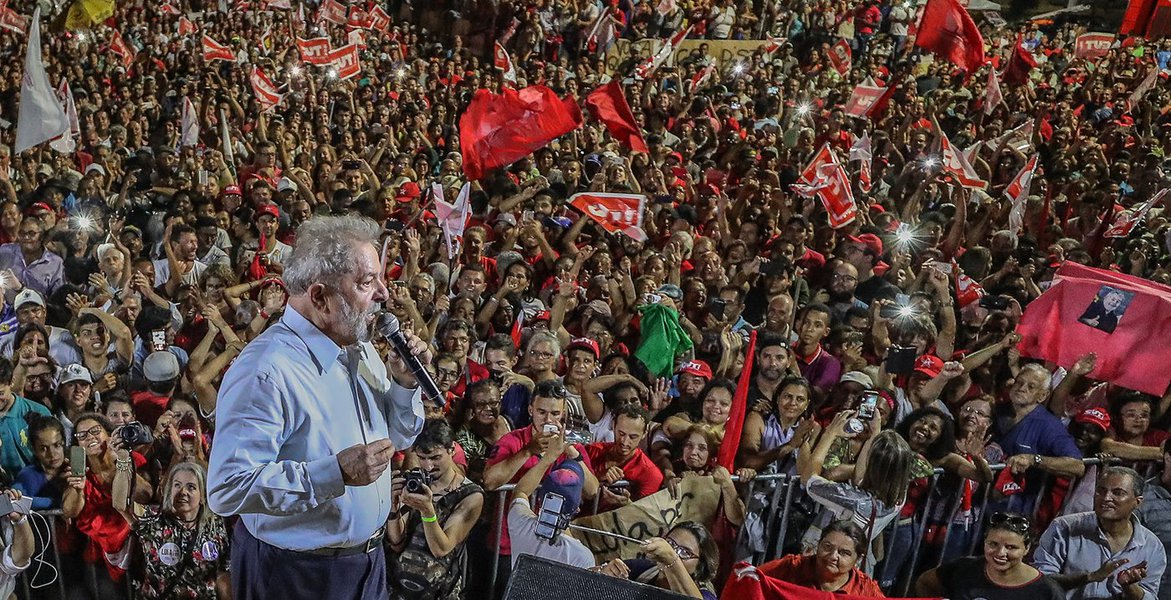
{"x":490,"y":404}
{"x":446,"y":373}
{"x":971,"y":410}
{"x":683,"y":553}
{"x":844,"y":277}
{"x":1015,"y":522}
{"x":89,"y":433}
{"x":541,"y":355}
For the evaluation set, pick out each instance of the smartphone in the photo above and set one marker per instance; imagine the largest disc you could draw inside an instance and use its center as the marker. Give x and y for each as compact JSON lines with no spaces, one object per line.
{"x":651,"y":298}
{"x":900,"y":360}
{"x":350,"y":165}
{"x":867,"y":405}
{"x":550,"y":428}
{"x":77,"y":461}
{"x":158,"y":340}
{"x":201,"y":177}
{"x":717,"y":307}
{"x":942,"y":267}
{"x":994,"y":302}
{"x":549,"y":521}
{"x":526,"y":215}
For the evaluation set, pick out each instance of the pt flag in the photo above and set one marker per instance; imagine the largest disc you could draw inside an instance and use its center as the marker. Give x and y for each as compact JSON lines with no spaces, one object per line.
{"x":267,"y":94}
{"x":1125,"y":320}
{"x":40,"y":116}
{"x":608,"y":105}
{"x":1127,"y":220}
{"x":1020,"y":64}
{"x":825,"y":178}
{"x":213,"y":50}
{"x":620,"y":213}
{"x":747,"y":583}
{"x":500,"y":129}
{"x":948,"y":31}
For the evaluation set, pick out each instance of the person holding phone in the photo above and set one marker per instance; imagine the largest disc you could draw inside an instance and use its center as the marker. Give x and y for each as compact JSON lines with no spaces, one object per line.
{"x":558,"y":484}
{"x":16,"y":537}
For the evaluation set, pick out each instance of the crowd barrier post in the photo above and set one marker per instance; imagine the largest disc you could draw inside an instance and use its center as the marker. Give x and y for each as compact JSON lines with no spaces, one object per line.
{"x":502,"y":503}
{"x":790,"y":484}
{"x":924,"y":512}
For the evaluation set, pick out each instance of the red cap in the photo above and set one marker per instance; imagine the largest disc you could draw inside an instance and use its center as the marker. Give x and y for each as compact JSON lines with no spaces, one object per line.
{"x":929,"y":365}
{"x":267,"y":209}
{"x":697,"y":368}
{"x":231,"y":190}
{"x":1094,"y":416}
{"x":408,"y":191}
{"x":542,"y":316}
{"x":677,"y":156}
{"x":37,"y":207}
{"x":871,"y":241}
{"x":584,"y":344}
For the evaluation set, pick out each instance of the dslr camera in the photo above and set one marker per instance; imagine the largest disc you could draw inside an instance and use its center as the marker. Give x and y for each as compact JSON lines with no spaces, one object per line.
{"x":416,"y":480}
{"x":135,"y":434}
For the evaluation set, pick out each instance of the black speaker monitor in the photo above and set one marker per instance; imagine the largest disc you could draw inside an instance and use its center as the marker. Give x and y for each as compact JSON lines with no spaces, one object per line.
{"x":541,"y":579}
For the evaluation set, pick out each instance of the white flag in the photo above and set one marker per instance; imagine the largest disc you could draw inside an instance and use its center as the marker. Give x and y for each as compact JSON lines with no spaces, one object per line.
{"x":66,"y":144}
{"x":226,"y":139}
{"x":41,"y":117}
{"x":993,"y":97}
{"x":189,"y":125}
{"x":453,"y":218}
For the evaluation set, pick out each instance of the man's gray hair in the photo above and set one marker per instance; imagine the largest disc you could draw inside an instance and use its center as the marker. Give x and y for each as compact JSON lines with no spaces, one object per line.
{"x":1137,"y":485}
{"x":324,"y":249}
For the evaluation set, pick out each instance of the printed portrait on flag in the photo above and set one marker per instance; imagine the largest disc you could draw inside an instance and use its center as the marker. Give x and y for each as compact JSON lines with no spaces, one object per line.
{"x":1108,"y":307}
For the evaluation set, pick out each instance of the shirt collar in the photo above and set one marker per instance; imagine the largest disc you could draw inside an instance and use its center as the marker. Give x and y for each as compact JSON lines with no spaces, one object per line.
{"x":808,"y":359}
{"x":323,"y":350}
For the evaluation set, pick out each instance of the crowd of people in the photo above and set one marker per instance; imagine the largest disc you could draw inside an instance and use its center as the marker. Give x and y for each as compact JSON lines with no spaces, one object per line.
{"x":594,"y":366}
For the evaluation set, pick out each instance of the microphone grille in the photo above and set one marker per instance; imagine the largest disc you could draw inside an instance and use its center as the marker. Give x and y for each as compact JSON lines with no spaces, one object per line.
{"x":386,"y":324}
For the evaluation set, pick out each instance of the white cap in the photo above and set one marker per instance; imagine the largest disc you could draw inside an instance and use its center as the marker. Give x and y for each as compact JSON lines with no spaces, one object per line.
{"x":160,"y":367}
{"x":73,"y":372}
{"x":26,"y":296}
{"x":95,"y":167}
{"x":285,"y":184}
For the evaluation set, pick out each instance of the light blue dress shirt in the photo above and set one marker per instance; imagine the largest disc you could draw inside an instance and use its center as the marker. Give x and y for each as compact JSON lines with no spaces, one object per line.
{"x":286,"y":409}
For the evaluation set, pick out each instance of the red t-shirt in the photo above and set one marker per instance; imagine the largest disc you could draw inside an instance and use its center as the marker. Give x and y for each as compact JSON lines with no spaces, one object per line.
{"x":644,"y":477}
{"x":105,"y":527}
{"x":149,"y":406}
{"x":802,"y":570}
{"x":508,"y":446}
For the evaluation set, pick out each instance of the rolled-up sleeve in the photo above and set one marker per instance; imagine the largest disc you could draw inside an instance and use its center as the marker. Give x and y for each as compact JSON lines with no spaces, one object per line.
{"x":246,"y":474}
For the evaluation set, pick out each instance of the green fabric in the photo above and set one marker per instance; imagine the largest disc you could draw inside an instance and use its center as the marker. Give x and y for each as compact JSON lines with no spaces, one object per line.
{"x":662,"y":339}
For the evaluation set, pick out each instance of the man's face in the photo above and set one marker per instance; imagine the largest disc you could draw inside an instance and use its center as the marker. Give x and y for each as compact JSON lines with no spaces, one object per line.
{"x":474,"y":245}
{"x":498,"y":362}
{"x":628,"y":434}
{"x":772,"y":362}
{"x":779,"y":314}
{"x":30,"y":313}
{"x":49,"y":449}
{"x":92,"y":339}
{"x":267,"y":224}
{"x":813,"y":327}
{"x":351,"y":309}
{"x":187,"y":246}
{"x":37,"y":382}
{"x":206,"y":237}
{"x":690,"y":385}
{"x":30,"y":236}
{"x":1029,"y":389}
{"x":434,"y":461}
{"x":544,"y":410}
{"x":471,"y":284}
{"x":1114,"y":498}
{"x":843,"y":281}
{"x":856,"y":255}
{"x":1112,"y":301}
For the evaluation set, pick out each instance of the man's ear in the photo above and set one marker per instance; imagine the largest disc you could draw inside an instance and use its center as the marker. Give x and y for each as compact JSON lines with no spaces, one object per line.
{"x":319,"y":296}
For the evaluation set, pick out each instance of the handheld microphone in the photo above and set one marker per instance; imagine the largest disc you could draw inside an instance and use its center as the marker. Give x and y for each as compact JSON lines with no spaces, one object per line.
{"x":387,"y":325}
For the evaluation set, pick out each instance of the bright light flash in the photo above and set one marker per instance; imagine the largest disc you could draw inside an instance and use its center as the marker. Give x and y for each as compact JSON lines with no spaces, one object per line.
{"x":738,"y":69}
{"x":804,"y":109}
{"x":932,"y":161}
{"x":905,"y":235}
{"x":81,"y":37}
{"x":332,"y":73}
{"x":83,"y":223}
{"x":400,"y":73}
{"x":906,"y":312}
{"x":296,"y":71}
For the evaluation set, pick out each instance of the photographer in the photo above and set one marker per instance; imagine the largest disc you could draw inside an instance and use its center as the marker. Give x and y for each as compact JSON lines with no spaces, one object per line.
{"x":434,"y":510}
{"x":185,"y":543}
{"x":16,"y":556}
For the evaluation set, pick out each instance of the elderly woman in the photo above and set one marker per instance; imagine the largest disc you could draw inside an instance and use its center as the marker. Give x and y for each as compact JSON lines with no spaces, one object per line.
{"x":684,"y":560}
{"x":185,"y":544}
{"x":833,"y":566}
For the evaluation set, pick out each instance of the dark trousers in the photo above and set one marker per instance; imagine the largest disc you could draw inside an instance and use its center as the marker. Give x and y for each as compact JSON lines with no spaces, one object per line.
{"x":261,"y":571}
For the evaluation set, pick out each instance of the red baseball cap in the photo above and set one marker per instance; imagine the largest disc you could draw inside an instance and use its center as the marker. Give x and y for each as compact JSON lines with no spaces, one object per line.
{"x":582,"y":343}
{"x":37,"y":207}
{"x":929,"y":365}
{"x":542,"y":316}
{"x":231,"y":190}
{"x":267,"y":209}
{"x":408,"y":191}
{"x":871,"y":241}
{"x":698,"y":368}
{"x":1094,"y":416}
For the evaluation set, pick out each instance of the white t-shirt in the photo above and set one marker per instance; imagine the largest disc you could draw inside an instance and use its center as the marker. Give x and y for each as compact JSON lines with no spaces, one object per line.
{"x":163,"y":272}
{"x":522,"y":530}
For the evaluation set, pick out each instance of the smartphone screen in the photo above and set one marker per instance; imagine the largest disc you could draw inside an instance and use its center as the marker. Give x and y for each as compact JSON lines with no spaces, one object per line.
{"x":550,"y":517}
{"x":77,"y":460}
{"x":158,"y":340}
{"x":867,"y":405}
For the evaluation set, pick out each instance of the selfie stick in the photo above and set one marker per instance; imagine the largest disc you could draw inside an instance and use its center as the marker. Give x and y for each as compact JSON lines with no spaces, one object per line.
{"x":606,"y":533}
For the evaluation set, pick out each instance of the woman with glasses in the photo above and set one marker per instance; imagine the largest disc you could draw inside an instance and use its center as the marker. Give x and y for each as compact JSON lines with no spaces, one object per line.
{"x":684,"y":560}
{"x":480,"y":425}
{"x":1000,"y":574}
{"x":185,"y":544}
{"x":833,"y":565}
{"x":88,"y":498}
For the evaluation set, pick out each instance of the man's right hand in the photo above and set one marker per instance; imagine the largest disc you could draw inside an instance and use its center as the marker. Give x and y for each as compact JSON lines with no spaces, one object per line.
{"x":363,"y":464}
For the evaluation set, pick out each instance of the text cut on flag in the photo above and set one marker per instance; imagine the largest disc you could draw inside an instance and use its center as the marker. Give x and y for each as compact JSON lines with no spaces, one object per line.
{"x":266,"y":93}
{"x":616,"y":213}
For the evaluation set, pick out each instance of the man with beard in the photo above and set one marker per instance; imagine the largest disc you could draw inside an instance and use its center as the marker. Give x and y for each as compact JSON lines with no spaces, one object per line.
{"x":182,"y":265}
{"x":838,"y":294}
{"x":864,"y":252}
{"x":34,"y":266}
{"x":308,"y":420}
{"x":1105,"y":553}
{"x":623,"y":460}
{"x":774,"y":359}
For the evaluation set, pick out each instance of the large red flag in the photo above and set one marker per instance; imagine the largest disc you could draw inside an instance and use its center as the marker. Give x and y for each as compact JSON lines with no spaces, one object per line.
{"x":616,"y":213}
{"x":1137,"y":17}
{"x":949,"y":31}
{"x":608,"y":105}
{"x":1125,"y":320}
{"x":500,"y":129}
{"x":213,"y":50}
{"x":1019,"y":65}
{"x":748,"y":583}
{"x":731,"y":443}
{"x":825,"y":178}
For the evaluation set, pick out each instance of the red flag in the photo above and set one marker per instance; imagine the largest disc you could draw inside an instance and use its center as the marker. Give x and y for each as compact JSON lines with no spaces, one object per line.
{"x":968,"y":290}
{"x":748,"y":583}
{"x":864,"y":99}
{"x":518,"y":328}
{"x":500,"y":129}
{"x":1125,"y":222}
{"x":602,"y":33}
{"x":315,"y":51}
{"x":993,"y":96}
{"x":12,"y":21}
{"x":333,"y":11}
{"x":702,"y":76}
{"x":1017,"y":192}
{"x":213,"y":50}
{"x":957,"y":165}
{"x":1019,"y":65}
{"x":379,"y":20}
{"x":608,"y":105}
{"x":502,"y":61}
{"x":826,"y":178}
{"x":168,"y":9}
{"x":841,"y":57}
{"x":616,"y":213}
{"x":345,"y":62}
{"x":1137,"y":17}
{"x":186,"y":27}
{"x":124,"y":51}
{"x":1125,"y":320}
{"x":258,"y":270}
{"x":731,"y":443}
{"x":947,"y":30}
{"x":653,"y":62}
{"x":357,"y":18}
{"x":266,"y":93}
{"x":1093,"y":46}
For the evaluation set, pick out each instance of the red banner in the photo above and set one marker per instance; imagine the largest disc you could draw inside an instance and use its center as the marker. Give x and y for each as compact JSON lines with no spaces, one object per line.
{"x":1126,"y":220}
{"x":1093,"y":45}
{"x":1124,"y":320}
{"x":315,"y":51}
{"x":863,"y":99}
{"x":614,"y":212}
{"x":358,"y":18}
{"x":333,"y":11}
{"x":169,"y":9}
{"x":841,"y":57}
{"x":344,"y":61}
{"x":826,"y":178}
{"x":957,"y":165}
{"x":186,"y":27}
{"x":13,"y":21}
{"x":266,"y":93}
{"x":747,"y":583}
{"x":213,"y":50}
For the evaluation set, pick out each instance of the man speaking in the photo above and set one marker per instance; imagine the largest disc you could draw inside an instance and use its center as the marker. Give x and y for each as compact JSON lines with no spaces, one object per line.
{"x":306,"y":424}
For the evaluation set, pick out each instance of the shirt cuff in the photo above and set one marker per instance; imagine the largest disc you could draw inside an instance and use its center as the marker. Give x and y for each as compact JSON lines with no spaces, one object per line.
{"x":325,"y":478}
{"x":8,"y":566}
